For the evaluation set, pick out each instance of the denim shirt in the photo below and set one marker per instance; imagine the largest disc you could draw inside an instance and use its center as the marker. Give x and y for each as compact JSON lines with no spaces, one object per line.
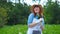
{"x":31,"y":17}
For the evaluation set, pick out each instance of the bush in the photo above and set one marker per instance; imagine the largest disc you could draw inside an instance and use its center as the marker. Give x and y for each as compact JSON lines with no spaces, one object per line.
{"x":3,"y":16}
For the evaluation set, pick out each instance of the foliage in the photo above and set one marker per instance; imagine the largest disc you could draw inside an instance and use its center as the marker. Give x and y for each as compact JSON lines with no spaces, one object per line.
{"x":51,"y":12}
{"x":3,"y":16}
{"x":15,"y":14}
{"x":18,"y":14}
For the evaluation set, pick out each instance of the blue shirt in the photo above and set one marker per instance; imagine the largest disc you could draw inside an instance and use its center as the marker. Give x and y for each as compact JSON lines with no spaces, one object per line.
{"x":31,"y":17}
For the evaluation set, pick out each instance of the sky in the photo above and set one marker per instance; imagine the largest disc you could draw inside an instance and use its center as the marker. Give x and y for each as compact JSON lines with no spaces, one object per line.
{"x":29,"y":2}
{"x":42,"y":2}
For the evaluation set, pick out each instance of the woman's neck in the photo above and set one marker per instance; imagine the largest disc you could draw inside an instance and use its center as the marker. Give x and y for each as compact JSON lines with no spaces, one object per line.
{"x":37,"y":14}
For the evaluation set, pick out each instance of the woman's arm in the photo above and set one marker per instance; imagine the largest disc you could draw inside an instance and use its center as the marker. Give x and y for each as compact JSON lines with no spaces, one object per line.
{"x":35,"y":22}
{"x":32,"y":25}
{"x":30,"y":21}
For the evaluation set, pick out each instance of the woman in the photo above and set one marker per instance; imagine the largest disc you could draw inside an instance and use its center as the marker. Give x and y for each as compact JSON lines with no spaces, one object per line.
{"x":36,"y":20}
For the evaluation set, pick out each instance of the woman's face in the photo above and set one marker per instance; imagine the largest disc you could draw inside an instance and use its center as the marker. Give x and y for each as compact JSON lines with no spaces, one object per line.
{"x":36,"y":9}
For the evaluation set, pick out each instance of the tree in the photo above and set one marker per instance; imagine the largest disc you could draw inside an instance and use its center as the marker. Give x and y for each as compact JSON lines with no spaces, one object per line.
{"x":56,"y":12}
{"x":3,"y":16}
{"x":52,"y":12}
{"x":15,"y":14}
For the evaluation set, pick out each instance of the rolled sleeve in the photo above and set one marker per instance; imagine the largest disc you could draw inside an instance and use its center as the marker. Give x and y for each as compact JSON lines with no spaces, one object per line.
{"x":30,"y":18}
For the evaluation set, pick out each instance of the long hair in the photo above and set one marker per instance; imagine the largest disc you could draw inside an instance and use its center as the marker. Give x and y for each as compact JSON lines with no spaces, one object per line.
{"x":40,"y":11}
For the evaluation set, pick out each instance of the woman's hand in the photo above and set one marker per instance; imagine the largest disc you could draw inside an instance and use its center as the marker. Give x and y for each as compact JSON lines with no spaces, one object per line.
{"x":42,"y":28}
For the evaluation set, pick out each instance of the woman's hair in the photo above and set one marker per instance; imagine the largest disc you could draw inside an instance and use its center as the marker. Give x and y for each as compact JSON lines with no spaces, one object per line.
{"x":40,"y":7}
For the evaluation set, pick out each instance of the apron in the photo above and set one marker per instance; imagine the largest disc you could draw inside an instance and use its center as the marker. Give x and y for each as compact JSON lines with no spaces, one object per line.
{"x":35,"y":28}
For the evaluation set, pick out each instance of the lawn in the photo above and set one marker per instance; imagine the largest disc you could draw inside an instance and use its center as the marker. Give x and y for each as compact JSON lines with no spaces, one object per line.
{"x":16,"y":29}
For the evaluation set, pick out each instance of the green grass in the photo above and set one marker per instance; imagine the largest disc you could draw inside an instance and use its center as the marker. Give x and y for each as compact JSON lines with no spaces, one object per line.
{"x":49,"y":29}
{"x":52,"y":29}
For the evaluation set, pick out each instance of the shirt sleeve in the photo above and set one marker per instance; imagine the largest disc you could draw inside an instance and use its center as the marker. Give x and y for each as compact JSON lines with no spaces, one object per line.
{"x":30,"y":18}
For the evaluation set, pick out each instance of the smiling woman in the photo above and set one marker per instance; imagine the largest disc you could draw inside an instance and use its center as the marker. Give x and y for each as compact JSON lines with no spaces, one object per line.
{"x":35,"y":20}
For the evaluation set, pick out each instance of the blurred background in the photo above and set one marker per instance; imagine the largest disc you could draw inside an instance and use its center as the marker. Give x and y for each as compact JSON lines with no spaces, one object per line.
{"x":14,"y":15}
